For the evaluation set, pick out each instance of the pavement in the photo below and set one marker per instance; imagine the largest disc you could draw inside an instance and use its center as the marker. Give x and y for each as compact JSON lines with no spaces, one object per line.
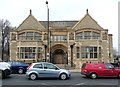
{"x":75,"y":70}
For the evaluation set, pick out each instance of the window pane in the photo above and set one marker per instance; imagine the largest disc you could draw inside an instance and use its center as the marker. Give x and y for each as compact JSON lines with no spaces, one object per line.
{"x":26,"y":49}
{"x":87,"y":35}
{"x":78,"y":55}
{"x":37,"y":36}
{"x":91,"y":55}
{"x":96,"y":35}
{"x":34,"y":55}
{"x":39,"y":49}
{"x":95,"y":49}
{"x":95,"y":55}
{"x":33,"y":49}
{"x":79,"y":36}
{"x":91,"y":49}
{"x":38,"y":66}
{"x":39,"y":55}
{"x":29,"y":35}
{"x":77,"y":49}
{"x":49,"y":66}
{"x":26,"y":55}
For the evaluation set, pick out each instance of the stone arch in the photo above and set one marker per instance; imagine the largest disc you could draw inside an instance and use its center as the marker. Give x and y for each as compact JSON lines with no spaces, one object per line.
{"x":59,"y":54}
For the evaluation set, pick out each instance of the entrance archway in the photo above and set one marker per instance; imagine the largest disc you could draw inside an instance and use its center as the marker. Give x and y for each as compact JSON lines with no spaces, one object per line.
{"x":59,"y":54}
{"x":59,"y":57}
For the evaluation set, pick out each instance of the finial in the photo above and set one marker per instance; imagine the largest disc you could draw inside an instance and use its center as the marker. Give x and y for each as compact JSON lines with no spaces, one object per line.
{"x":87,"y":11}
{"x":46,"y":2}
{"x":30,"y":11}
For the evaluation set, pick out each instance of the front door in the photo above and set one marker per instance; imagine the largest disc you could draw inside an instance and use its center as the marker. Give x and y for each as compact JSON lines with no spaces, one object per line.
{"x":59,"y":57}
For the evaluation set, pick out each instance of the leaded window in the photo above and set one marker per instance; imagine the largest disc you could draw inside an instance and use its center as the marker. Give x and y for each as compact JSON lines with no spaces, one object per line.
{"x":30,"y":36}
{"x":37,"y":36}
{"x":87,"y":35}
{"x":90,"y":52}
{"x":96,"y":35}
{"x":79,"y":36}
{"x":27,"y":52}
{"x":77,"y":52}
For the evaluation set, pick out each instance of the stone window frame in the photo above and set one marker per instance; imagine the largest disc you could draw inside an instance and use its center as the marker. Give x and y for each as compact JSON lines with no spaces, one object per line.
{"x":83,"y":34}
{"x":90,"y":52}
{"x":26,"y":36}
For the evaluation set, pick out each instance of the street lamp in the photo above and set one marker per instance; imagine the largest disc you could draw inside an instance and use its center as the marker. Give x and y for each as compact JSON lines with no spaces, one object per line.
{"x":48,"y":53}
{"x":71,"y":46}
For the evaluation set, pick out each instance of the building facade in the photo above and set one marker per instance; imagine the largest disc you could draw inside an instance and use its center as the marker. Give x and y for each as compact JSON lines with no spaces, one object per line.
{"x":70,"y":42}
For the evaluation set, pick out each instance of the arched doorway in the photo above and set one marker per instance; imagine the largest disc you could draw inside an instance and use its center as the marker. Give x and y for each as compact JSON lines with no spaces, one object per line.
{"x":59,"y":54}
{"x":59,"y":57}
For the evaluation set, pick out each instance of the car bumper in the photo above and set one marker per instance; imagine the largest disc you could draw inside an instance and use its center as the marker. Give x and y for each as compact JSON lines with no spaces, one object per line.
{"x":7,"y":72}
{"x":27,"y":74}
{"x":84,"y":73}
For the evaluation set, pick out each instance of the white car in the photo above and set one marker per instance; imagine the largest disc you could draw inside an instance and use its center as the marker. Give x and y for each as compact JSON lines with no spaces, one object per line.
{"x":4,"y":69}
{"x":6,"y":64}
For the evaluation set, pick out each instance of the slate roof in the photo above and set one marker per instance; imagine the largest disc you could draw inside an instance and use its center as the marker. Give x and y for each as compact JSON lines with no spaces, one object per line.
{"x":58,"y":24}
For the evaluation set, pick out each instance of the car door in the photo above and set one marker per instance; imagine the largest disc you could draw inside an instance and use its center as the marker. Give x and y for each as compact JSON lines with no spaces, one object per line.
{"x":39,"y":69}
{"x":50,"y":70}
{"x":14,"y":66}
{"x":109,"y":71}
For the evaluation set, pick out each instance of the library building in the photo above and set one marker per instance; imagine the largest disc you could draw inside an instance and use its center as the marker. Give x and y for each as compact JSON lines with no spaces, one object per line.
{"x":68,"y":43}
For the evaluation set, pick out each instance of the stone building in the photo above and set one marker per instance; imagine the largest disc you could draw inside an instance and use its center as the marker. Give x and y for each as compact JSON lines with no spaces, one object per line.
{"x":70,"y":42}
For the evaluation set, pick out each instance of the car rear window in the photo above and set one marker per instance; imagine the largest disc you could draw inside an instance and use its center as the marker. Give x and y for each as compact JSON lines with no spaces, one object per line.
{"x":83,"y":66}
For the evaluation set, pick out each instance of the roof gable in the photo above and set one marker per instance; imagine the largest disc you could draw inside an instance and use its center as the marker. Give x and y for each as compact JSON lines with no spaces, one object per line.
{"x":87,"y":22}
{"x":31,"y":23}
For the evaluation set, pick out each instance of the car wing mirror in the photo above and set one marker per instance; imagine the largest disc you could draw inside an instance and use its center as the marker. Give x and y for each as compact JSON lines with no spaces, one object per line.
{"x":56,"y":68}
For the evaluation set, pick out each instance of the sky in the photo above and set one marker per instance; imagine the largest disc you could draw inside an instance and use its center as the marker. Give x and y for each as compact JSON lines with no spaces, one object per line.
{"x":105,"y":12}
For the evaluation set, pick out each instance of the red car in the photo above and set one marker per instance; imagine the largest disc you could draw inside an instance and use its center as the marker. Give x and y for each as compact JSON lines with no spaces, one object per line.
{"x":94,"y":70}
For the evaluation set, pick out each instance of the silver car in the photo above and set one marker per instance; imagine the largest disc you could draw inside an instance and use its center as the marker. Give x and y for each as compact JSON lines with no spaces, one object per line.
{"x":46,"y":70}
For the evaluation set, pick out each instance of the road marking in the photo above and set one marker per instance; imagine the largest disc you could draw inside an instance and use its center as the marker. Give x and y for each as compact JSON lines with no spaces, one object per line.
{"x":80,"y":83}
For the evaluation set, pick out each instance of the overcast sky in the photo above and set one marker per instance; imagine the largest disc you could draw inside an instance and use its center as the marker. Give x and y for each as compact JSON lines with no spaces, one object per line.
{"x":105,"y":12}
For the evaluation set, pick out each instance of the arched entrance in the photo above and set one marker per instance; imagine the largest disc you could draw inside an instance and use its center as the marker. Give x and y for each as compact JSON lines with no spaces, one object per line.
{"x":59,"y":55}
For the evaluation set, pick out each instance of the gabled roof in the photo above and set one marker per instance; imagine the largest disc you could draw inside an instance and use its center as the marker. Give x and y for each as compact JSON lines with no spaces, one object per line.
{"x":31,"y":23}
{"x":87,"y":22}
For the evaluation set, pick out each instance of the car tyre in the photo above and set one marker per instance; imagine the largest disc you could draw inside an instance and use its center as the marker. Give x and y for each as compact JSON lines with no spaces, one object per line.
{"x":33,"y":76}
{"x":20,"y":71}
{"x":63,"y":76}
{"x":119,"y":76}
{"x":93,"y":75}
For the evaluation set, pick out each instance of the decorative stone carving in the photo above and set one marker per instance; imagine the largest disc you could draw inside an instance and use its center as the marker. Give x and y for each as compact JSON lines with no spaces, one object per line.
{"x":45,"y":36}
{"x":104,"y":36}
{"x":71,"y":36}
{"x":13,"y":36}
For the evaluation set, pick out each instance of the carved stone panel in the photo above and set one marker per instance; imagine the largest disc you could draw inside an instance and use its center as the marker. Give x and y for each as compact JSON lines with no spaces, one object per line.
{"x":71,"y":36}
{"x":13,"y":36}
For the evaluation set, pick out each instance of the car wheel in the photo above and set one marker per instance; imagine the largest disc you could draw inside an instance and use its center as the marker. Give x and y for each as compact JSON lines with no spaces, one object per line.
{"x":93,"y":75}
{"x":20,"y":71}
{"x":33,"y":76}
{"x":119,"y":76}
{"x":63,"y":76}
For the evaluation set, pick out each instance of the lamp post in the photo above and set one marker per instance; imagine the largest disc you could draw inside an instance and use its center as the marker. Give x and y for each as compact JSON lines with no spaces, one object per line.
{"x":71,"y":46}
{"x":48,"y":35}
